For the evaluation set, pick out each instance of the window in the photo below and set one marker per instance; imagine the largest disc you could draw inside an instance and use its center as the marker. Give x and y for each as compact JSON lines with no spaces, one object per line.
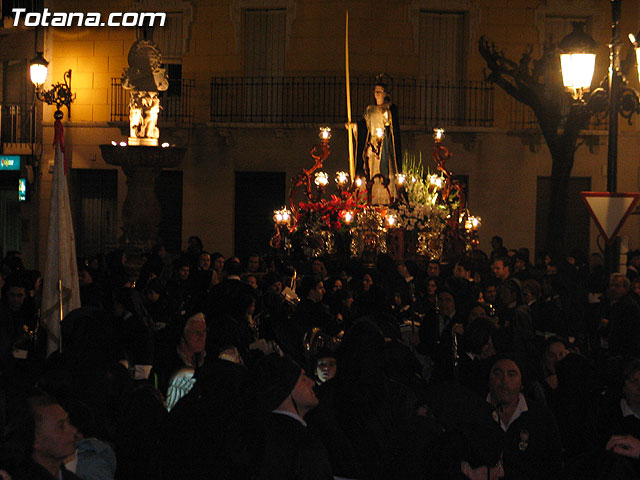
{"x":264,"y":42}
{"x":171,"y":41}
{"x":257,"y":195}
{"x":95,"y":205}
{"x":170,"y":38}
{"x":29,"y":6}
{"x":442,"y":53}
{"x":17,"y":111}
{"x":576,"y":236}
{"x":442,"y":45}
{"x":557,"y":27}
{"x":265,"y":36}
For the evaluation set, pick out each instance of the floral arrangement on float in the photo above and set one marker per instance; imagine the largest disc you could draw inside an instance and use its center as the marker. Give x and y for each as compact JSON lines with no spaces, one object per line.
{"x":420,"y":209}
{"x":427,"y":218}
{"x":331,"y":214}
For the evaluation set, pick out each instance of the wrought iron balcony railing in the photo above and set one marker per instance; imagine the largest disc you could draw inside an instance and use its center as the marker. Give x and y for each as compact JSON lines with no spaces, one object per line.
{"x":17,"y":123}
{"x":421,"y":102}
{"x":520,"y":117}
{"x":175,"y":102}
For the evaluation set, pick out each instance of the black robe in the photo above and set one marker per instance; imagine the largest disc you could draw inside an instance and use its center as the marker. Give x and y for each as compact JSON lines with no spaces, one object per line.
{"x":292,"y":452}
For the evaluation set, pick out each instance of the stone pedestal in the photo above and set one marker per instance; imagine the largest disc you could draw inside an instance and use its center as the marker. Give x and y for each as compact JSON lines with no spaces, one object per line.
{"x":141,"y":212}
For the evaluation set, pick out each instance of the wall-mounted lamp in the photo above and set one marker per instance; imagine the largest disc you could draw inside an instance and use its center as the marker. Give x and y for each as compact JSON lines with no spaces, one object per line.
{"x":59,"y":94}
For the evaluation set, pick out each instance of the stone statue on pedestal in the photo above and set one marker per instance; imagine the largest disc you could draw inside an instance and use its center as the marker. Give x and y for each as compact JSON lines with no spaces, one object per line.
{"x":144,"y":78}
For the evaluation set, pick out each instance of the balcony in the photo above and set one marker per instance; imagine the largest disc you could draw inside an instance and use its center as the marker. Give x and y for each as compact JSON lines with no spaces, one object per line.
{"x":9,"y":5}
{"x":175,"y":102}
{"x":323,"y":99}
{"x":520,"y":117}
{"x":17,"y":128}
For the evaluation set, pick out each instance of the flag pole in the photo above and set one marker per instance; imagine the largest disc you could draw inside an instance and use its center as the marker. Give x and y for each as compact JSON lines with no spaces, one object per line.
{"x":61,"y":311}
{"x":60,"y":280}
{"x":352,"y":162}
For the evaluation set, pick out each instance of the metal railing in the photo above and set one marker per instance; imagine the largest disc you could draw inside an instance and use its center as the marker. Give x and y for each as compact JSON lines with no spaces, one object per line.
{"x":520,"y":117}
{"x":175,"y":103}
{"x":17,"y":123}
{"x":420,"y":102}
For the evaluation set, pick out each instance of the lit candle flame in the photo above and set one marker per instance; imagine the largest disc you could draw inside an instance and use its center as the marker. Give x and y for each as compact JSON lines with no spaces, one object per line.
{"x":281,"y":216}
{"x":322,"y":179}
{"x":342,"y":178}
{"x":472,"y":223}
{"x":379,"y":133}
{"x":359,"y":182}
{"x":438,"y":134}
{"x":325,"y":133}
{"x":348,"y":217}
{"x":391,"y":220}
{"x":436,"y":180}
{"x":401,"y":178}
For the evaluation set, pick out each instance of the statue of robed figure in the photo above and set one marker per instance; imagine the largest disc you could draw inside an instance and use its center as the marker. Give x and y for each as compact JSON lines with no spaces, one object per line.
{"x":379,"y":146}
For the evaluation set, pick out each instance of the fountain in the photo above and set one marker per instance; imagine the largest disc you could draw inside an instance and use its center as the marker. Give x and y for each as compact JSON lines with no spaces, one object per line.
{"x":141,"y":158}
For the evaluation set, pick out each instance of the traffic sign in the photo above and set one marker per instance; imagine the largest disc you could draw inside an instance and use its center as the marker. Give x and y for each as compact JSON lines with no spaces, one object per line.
{"x":609,"y":210}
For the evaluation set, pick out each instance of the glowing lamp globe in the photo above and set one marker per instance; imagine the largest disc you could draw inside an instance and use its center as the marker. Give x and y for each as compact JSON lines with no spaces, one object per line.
{"x":577,"y":60}
{"x":38,"y":69}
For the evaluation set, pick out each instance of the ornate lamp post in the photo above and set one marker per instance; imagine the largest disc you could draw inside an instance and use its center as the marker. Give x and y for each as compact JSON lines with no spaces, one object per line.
{"x":59,"y":94}
{"x":578,"y":62}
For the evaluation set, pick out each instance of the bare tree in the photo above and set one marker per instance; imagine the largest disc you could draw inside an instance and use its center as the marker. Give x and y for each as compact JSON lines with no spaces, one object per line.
{"x":538,"y":84}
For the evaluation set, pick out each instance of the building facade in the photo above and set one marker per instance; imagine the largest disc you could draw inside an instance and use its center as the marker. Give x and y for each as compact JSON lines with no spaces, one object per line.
{"x":250,"y":81}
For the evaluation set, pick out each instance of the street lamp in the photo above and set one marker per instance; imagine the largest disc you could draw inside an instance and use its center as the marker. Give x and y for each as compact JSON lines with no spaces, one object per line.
{"x":617,"y":99}
{"x":577,"y":60}
{"x":59,"y":94}
{"x":38,"y":69}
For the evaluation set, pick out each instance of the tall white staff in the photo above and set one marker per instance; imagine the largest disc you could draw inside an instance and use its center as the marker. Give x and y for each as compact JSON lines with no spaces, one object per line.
{"x":352,"y":160}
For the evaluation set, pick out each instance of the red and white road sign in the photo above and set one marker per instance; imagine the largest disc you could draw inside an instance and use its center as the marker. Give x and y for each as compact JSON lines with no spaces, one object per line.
{"x":610,"y":210}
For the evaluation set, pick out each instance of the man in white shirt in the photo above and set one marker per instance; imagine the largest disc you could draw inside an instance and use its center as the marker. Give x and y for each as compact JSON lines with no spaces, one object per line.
{"x":532,"y":440}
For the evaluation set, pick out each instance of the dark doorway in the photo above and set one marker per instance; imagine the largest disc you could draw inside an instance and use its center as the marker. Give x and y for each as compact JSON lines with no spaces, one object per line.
{"x":258,"y":194}
{"x":94,"y":201}
{"x":169,"y":193}
{"x":10,"y":222}
{"x":577,"y":228}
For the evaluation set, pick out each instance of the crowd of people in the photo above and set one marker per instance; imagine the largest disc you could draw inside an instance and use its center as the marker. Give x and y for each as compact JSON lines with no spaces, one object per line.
{"x":200,"y":366}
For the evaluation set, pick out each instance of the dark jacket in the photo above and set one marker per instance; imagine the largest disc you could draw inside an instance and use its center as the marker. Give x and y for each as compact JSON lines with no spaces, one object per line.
{"x":624,"y":332}
{"x":291,"y":452}
{"x":612,"y":422}
{"x":210,"y":430}
{"x":35,"y":471}
{"x":532,"y":445}
{"x":227,"y":297}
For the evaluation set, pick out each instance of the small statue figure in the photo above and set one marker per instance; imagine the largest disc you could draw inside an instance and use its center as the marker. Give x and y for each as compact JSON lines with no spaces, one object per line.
{"x":145,"y":78}
{"x":379,"y":146}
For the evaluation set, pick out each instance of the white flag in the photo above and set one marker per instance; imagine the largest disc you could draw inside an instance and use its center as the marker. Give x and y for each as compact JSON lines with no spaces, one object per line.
{"x":61,"y":258}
